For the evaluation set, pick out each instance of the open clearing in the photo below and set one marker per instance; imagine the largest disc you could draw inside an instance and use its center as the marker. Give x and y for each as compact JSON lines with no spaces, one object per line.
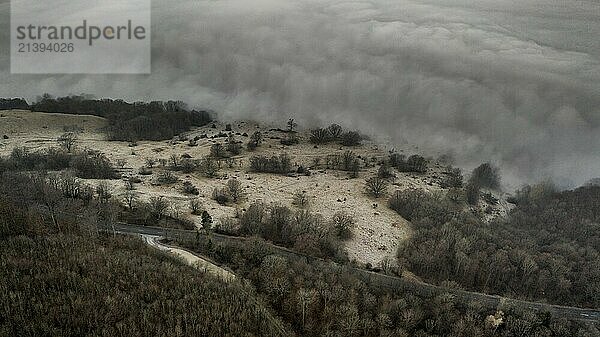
{"x":378,"y":230}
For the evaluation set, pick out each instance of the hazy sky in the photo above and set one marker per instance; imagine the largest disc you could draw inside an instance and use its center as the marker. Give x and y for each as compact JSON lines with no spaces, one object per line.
{"x":513,"y":82}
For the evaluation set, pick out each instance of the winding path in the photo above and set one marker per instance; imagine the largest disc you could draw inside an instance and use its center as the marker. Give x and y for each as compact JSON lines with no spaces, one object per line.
{"x":491,"y":302}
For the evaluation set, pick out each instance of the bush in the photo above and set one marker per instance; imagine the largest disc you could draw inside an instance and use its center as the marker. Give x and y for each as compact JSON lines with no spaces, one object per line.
{"x":209,"y":167}
{"x":300,"y":199}
{"x":385,"y":171}
{"x":221,"y":196}
{"x":255,"y":140}
{"x":233,"y":147}
{"x":350,"y":138}
{"x":343,"y":224}
{"x":93,"y":165}
{"x":320,"y":136}
{"x":234,"y":189}
{"x":187,"y":165}
{"x":218,"y":151}
{"x":453,"y":178}
{"x":335,"y":131}
{"x":376,"y":186}
{"x":414,"y":163}
{"x":486,"y":176}
{"x":166,"y":178}
{"x":196,"y":207}
{"x":415,"y":205}
{"x":275,"y":164}
{"x":189,"y":188}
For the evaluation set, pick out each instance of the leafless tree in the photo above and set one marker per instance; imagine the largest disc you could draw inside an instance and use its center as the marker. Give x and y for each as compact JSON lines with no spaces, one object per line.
{"x":131,"y":198}
{"x":158,"y":206}
{"x":67,"y":141}
{"x":234,"y":188}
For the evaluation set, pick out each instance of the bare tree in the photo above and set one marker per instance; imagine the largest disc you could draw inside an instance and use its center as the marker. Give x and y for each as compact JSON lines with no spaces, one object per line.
{"x":234,"y":188}
{"x":131,"y":198}
{"x":104,"y":192}
{"x":291,"y":125}
{"x":158,"y":206}
{"x":67,"y":141}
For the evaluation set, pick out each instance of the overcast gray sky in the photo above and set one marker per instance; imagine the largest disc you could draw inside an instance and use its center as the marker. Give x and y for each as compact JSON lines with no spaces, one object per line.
{"x":514,"y":82}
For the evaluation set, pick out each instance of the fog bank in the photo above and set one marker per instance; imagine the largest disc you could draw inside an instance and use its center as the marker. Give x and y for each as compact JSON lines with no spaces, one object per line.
{"x":502,"y":81}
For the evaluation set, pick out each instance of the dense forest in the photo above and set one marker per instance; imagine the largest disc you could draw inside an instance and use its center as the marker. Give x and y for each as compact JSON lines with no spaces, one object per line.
{"x":548,"y":248}
{"x":60,"y":277}
{"x":127,"y":121}
{"x":75,"y":285}
{"x":325,"y":299}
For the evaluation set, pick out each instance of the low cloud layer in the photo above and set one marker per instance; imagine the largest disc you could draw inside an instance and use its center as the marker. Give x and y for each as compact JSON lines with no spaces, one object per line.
{"x":517,"y":84}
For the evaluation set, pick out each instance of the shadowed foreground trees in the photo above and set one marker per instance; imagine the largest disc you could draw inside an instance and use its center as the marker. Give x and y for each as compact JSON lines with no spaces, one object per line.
{"x":324,"y":299}
{"x":547,"y":249}
{"x":68,"y":285}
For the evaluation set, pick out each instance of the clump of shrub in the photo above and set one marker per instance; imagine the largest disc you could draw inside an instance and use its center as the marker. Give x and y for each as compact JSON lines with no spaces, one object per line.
{"x":301,"y":230}
{"x":385,"y":171}
{"x":166,"y":178}
{"x":453,"y":178}
{"x":93,"y":165}
{"x":234,"y":189}
{"x":232,"y":192}
{"x":300,"y":199}
{"x":320,"y":136}
{"x":209,"y":167}
{"x":255,"y":141}
{"x":376,"y":186}
{"x":196,"y":207}
{"x":343,"y":224}
{"x":275,"y":164}
{"x":414,"y":163}
{"x":350,"y":138}
{"x":189,"y":188}
{"x":486,"y":176}
{"x":326,"y":135}
{"x":233,"y":146}
{"x":415,"y":204}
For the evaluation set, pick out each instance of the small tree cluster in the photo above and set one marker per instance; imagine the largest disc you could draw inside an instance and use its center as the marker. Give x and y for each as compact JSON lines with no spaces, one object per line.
{"x":275,"y":164}
{"x":414,"y":163}
{"x":233,"y":191}
{"x":209,"y":167}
